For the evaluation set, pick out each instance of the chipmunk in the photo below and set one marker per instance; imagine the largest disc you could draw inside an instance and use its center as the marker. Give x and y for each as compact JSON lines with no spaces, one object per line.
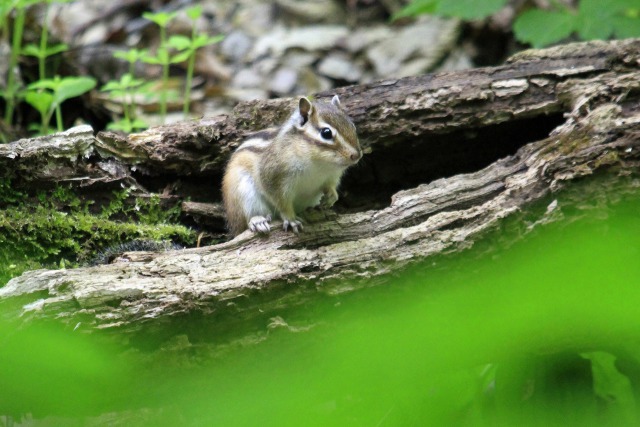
{"x":281,"y":172}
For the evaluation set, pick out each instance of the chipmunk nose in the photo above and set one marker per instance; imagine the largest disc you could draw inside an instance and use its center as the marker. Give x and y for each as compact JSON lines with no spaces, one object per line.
{"x":356,"y":156}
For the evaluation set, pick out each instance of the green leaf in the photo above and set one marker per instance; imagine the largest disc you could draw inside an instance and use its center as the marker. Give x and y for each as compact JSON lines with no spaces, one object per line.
{"x":161,"y":57}
{"x":160,"y":18}
{"x":626,"y":5}
{"x":601,"y":20}
{"x":179,"y":42}
{"x":139,"y":124}
{"x":127,"y":125}
{"x":111,"y":85}
{"x":5,"y":9}
{"x":117,"y":93}
{"x":51,"y":84}
{"x":41,"y":101}
{"x":149,"y":59}
{"x":594,"y":19}
{"x":543,"y":27}
{"x":70,"y":87}
{"x":416,"y":8}
{"x":608,"y":382}
{"x":31,"y":50}
{"x":21,"y":4}
{"x":194,"y":12}
{"x":181,"y":57}
{"x":127,"y":81}
{"x":131,"y":55}
{"x":626,"y":27}
{"x":204,"y":40}
{"x":55,"y":49}
{"x":469,"y":9}
{"x":121,"y":125}
{"x":146,"y":88}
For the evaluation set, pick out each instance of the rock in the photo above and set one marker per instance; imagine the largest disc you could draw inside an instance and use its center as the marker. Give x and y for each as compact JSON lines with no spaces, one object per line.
{"x":456,"y":60}
{"x":311,"y":38}
{"x":362,"y":38}
{"x":310,"y":82}
{"x":255,"y":18}
{"x":236,"y":45}
{"x":266,"y":66}
{"x":339,"y":66}
{"x":296,"y":58}
{"x":413,"y":67}
{"x":283,"y":81}
{"x":428,"y":39}
{"x":313,"y":11}
{"x":246,"y":78}
{"x":209,"y":64}
{"x":245,"y":95}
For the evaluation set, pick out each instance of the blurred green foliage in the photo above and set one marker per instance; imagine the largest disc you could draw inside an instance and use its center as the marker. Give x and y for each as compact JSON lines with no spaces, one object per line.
{"x":540,"y":331}
{"x":592,"y":19}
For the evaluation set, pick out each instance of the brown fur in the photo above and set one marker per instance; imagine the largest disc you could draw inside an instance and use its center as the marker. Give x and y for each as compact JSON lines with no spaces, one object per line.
{"x":285,"y":170}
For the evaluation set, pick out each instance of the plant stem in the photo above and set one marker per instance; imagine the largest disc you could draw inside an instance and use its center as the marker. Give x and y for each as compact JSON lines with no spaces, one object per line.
{"x":165,"y":88}
{"x":18,"y":27}
{"x":59,"y":118}
{"x":190,"y":67}
{"x":126,"y":106}
{"x":187,"y":89}
{"x":43,"y":42}
{"x":165,"y":76}
{"x":46,"y":118}
{"x":132,"y":68}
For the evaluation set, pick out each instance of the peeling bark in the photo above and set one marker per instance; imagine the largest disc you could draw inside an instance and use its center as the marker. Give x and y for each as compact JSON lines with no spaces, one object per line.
{"x":596,"y":86}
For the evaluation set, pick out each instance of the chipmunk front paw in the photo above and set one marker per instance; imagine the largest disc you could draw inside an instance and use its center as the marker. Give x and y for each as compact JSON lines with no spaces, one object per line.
{"x":260,"y":224}
{"x":329,"y":198}
{"x":294,"y":224}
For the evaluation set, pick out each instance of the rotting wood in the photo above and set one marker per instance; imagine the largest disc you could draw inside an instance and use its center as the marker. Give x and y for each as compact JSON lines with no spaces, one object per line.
{"x":389,"y":111}
{"x":597,"y":88}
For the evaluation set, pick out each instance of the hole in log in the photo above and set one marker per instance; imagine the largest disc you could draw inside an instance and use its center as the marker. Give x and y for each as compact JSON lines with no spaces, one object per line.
{"x":407,"y":164}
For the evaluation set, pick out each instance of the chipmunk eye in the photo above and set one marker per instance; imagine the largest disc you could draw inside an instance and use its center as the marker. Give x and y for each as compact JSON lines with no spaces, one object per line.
{"x":326,"y":133}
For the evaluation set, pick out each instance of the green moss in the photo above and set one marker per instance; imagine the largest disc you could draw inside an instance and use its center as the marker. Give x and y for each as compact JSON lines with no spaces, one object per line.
{"x":57,"y":229}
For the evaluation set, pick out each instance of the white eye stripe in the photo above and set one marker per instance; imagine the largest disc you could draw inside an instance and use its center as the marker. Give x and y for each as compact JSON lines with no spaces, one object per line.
{"x":314,"y":134}
{"x":255,"y":142}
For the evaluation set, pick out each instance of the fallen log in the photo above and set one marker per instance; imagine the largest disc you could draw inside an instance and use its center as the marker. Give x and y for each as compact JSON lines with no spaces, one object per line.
{"x":496,"y":138}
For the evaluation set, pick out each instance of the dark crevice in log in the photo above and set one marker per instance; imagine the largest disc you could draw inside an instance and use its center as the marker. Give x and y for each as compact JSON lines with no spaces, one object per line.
{"x":425,"y":159}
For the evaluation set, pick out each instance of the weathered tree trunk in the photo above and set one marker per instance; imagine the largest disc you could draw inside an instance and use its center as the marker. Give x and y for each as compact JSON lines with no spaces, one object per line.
{"x":497,"y":139}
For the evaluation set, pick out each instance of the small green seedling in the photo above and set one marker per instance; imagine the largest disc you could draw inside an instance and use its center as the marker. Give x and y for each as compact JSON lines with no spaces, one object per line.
{"x":187,"y":48}
{"x":47,"y":95}
{"x":132,"y":56}
{"x":162,"y":56}
{"x":125,"y":89}
{"x":12,"y":89}
{"x":43,"y":51}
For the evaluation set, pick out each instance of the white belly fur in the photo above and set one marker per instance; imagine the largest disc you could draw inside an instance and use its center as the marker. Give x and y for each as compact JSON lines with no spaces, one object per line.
{"x":309,"y":185}
{"x":252,"y":201}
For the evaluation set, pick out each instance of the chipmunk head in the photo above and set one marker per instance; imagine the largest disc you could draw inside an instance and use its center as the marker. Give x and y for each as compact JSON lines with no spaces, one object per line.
{"x":328,"y":130}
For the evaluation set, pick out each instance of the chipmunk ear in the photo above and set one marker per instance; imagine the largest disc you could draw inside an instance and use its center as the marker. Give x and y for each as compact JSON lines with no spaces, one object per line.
{"x":305,"y":109}
{"x":336,"y":101}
